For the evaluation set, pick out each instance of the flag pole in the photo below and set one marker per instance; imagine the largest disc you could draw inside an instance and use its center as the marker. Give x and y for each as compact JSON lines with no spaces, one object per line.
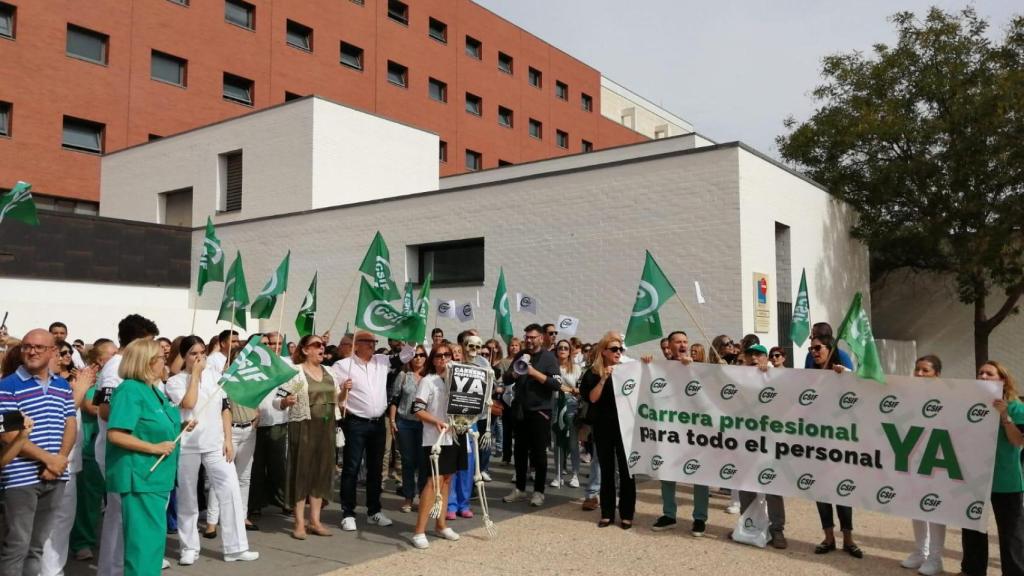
{"x":343,"y":301}
{"x":700,"y":325}
{"x":195,"y":308}
{"x":280,"y":321}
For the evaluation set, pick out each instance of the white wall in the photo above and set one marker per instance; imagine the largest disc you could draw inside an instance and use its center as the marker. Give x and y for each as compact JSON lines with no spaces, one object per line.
{"x":647,"y":116}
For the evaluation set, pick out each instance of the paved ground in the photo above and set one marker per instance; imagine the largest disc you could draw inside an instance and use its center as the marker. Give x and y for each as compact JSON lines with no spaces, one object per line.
{"x":560,"y":538}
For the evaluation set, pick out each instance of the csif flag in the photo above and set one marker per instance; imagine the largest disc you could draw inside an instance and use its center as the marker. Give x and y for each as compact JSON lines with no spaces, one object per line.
{"x":236,"y":295}
{"x":465,"y":312}
{"x":211,"y":262}
{"x":305,"y":321}
{"x":526,"y":303}
{"x":421,"y":311}
{"x":501,"y":308}
{"x":256,"y":372}
{"x":644,"y":321}
{"x":377,"y":315}
{"x":18,"y":205}
{"x":800,"y":326}
{"x":408,"y":300}
{"x":446,"y":309}
{"x":266,"y":300}
{"x":377,"y":265}
{"x":856,"y":332}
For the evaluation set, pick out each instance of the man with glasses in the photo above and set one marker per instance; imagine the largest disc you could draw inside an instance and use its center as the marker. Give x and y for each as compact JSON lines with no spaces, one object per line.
{"x":537,"y":377}
{"x":269,"y":462}
{"x":34,"y":482}
{"x":364,"y":398}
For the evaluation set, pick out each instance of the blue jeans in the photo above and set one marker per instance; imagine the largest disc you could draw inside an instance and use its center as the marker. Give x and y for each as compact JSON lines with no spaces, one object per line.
{"x":497,"y":435}
{"x":485,"y":454}
{"x":594,"y":486}
{"x":362,"y":438}
{"x":414,"y":463}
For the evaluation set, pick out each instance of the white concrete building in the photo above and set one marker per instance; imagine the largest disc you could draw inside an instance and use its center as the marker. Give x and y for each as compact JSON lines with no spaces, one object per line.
{"x":622,"y":105}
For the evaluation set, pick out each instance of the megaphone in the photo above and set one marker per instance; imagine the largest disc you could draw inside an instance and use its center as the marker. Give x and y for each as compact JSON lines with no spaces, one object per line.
{"x":522,"y":365}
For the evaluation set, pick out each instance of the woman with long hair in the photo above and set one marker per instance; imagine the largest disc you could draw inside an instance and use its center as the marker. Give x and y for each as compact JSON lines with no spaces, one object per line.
{"x":175,"y":360}
{"x":571,"y":373}
{"x":408,"y":428}
{"x":697,"y":352}
{"x":65,"y":368}
{"x":1007,"y":483}
{"x":596,"y":384}
{"x":723,"y":350}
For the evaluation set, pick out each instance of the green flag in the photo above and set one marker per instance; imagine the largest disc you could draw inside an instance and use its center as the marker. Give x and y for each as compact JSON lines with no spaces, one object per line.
{"x":256,"y":372}
{"x":377,"y":265}
{"x":501,"y":308}
{"x":266,"y":300}
{"x":408,"y":301}
{"x":644,"y":322}
{"x":18,"y":205}
{"x":236,"y":295}
{"x":800,"y":326}
{"x":211,"y":263}
{"x":284,"y":345}
{"x":563,"y":424}
{"x":421,"y":312}
{"x":378,"y":316}
{"x":305,"y":322}
{"x":856,"y":332}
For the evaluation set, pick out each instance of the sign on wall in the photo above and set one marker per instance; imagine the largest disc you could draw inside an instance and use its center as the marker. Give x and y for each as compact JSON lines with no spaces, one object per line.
{"x":762,"y":312}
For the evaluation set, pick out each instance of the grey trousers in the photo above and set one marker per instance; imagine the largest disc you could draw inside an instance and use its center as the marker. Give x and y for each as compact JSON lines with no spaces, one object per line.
{"x":776,"y":509}
{"x":29,"y":511}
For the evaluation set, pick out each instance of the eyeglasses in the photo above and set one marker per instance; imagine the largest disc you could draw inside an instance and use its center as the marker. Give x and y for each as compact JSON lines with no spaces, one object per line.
{"x":40,"y":348}
{"x":616,"y":349}
{"x":420,"y":355}
{"x":563,"y":348}
{"x":777,"y":355}
{"x":65,"y":353}
{"x":486,"y":354}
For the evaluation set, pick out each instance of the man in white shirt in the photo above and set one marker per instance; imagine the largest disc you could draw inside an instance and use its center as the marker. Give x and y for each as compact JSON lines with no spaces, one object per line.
{"x":269,"y":463}
{"x":362,"y":378}
{"x":228,"y":340}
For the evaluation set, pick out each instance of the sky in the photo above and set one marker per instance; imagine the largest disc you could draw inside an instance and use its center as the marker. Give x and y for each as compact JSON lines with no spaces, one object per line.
{"x":735,"y":69}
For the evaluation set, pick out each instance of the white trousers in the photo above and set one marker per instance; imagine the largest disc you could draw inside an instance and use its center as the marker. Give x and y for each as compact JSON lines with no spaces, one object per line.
{"x":111,"y":562}
{"x":224,"y":483}
{"x":55,"y":549}
{"x":244,"y":440}
{"x":930,"y":538}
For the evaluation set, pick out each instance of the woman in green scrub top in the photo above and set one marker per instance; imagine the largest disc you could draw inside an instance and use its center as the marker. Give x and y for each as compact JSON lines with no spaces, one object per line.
{"x":142,"y":427}
{"x":1007,"y":484}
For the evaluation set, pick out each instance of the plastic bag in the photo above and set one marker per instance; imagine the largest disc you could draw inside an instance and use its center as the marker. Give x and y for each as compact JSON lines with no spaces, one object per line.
{"x":752,"y":525}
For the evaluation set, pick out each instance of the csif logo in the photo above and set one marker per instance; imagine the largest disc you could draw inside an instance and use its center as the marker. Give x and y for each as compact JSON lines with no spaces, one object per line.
{"x":748,"y":524}
{"x":930,"y":502}
{"x":628,"y":386}
{"x":728,"y":391}
{"x":805,"y":481}
{"x":977,"y":413}
{"x":727,"y":471}
{"x":807,"y":397}
{"x":766,"y":476}
{"x":888,"y":404}
{"x":565,"y":323}
{"x":691,"y":466}
{"x":885,"y":494}
{"x":634,"y":457}
{"x":975,"y":510}
{"x":767,"y":395}
{"x":845,"y":487}
{"x":848,"y":400}
{"x":931,"y":408}
{"x":658,"y":384}
{"x":692,"y":388}
{"x":656,"y":462}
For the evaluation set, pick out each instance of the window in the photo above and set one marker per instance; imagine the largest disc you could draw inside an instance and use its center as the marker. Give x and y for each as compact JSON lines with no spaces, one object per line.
{"x":660,"y":132}
{"x":5,"y":118}
{"x":438,"y":90}
{"x":474,"y":104}
{"x":231,"y":181}
{"x":561,"y":90}
{"x":238,"y":89}
{"x":438,"y":31}
{"x":7,"y":13}
{"x":359,"y":2}
{"x":586,"y":102}
{"x":535,"y":77}
{"x":351,"y":56}
{"x":240,"y":13}
{"x":82,"y":135}
{"x":454,"y":262}
{"x":442,"y":151}
{"x":536,"y":128}
{"x":289,"y":96}
{"x":398,"y":74}
{"x":299,"y":36}
{"x":167,"y":68}
{"x":86,"y":45}
{"x":504,"y":63}
{"x":504,"y":117}
{"x":474,"y":48}
{"x":586,"y":146}
{"x":398,"y":11}
{"x":562,"y":139}
{"x":474,"y":161}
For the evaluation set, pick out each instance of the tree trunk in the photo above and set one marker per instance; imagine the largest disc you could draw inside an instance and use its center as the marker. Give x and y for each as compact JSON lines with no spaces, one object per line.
{"x":981,"y":332}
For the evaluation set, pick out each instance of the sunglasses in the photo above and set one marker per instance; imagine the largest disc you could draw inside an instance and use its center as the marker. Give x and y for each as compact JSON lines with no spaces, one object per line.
{"x":552,"y":333}
{"x":65,"y":353}
{"x":777,"y":355}
{"x":420,"y":355}
{"x":563,"y":348}
{"x":315,"y":345}
{"x":616,"y":349}
{"x":444,"y":355}
{"x":485,"y":354}
{"x":818,"y":347}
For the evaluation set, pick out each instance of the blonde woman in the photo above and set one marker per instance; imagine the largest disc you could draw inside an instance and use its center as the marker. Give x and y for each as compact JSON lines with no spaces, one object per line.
{"x":697,"y":353}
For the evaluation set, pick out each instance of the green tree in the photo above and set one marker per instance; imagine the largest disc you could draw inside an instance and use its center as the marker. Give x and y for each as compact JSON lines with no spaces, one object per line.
{"x":924,"y":139}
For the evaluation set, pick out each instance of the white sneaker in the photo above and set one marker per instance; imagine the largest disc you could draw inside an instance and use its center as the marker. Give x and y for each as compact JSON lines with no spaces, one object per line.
{"x":556,"y":483}
{"x":932,"y":566}
{"x":515,"y":496}
{"x":574,"y":482}
{"x":449,"y":534}
{"x":420,"y":541}
{"x":166,"y":564}
{"x":537,"y":499}
{"x":348,"y":524}
{"x":188,"y":557}
{"x":485,"y":476}
{"x":914,"y":560}
{"x":245,"y":556}
{"x":732,"y":509}
{"x":380,"y":520}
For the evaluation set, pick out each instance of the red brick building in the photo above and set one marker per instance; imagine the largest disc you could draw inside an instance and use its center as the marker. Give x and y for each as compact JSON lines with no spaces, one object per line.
{"x":84,"y":78}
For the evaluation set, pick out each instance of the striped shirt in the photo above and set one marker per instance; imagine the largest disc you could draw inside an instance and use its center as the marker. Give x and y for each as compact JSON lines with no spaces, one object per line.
{"x":49,"y":404}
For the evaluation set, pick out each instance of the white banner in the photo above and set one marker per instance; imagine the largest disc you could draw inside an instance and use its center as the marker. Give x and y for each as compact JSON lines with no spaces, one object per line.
{"x":567,"y":326}
{"x":913,"y":447}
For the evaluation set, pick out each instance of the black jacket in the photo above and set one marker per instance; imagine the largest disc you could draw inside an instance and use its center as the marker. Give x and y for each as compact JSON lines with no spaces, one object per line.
{"x":531,"y":395}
